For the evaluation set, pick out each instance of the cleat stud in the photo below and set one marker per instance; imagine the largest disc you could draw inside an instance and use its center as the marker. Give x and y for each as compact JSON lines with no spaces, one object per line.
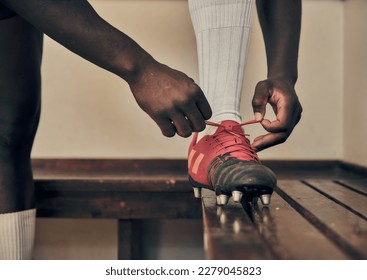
{"x":219,"y":202}
{"x":223,"y":199}
{"x":197,"y":192}
{"x":237,"y":196}
{"x":265,"y":199}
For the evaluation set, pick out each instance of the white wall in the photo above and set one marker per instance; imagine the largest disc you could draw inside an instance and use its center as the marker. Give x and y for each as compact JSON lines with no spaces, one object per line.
{"x":89,"y":113}
{"x":355,"y":98}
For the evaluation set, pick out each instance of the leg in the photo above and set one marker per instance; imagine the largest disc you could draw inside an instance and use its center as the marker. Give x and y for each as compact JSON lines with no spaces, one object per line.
{"x":221,"y":158}
{"x":222,"y":29}
{"x":129,"y":239}
{"x":20,"y":82}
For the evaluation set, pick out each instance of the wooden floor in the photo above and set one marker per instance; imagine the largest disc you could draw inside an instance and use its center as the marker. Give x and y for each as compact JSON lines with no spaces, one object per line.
{"x":319,"y":210}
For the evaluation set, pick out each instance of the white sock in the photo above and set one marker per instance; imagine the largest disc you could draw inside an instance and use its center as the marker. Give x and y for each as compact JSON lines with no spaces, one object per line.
{"x":17,"y":231}
{"x":222,"y":29}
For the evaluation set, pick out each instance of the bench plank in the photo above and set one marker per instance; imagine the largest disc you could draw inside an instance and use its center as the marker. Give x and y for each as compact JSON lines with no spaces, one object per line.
{"x":290,"y":235}
{"x":359,"y":186}
{"x":229,"y":233}
{"x":108,"y":168}
{"x":343,"y":227}
{"x":119,"y":189}
{"x":126,"y":184}
{"x":350,"y":199}
{"x":118,"y":205}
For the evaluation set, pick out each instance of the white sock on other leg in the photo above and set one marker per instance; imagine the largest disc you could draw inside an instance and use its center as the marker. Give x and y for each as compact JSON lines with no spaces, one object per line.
{"x":17,"y":232}
{"x":222,"y":29}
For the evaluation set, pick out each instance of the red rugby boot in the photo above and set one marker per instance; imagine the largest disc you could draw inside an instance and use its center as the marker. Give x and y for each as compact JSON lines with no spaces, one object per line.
{"x":226,"y":163}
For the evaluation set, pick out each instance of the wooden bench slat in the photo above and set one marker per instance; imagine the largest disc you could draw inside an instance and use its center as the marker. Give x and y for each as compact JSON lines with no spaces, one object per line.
{"x":355,"y":202}
{"x":284,"y":229}
{"x":359,"y":186}
{"x":346,"y":229}
{"x":142,"y":184}
{"x":229,"y":233}
{"x":139,"y":205}
{"x":108,"y":168}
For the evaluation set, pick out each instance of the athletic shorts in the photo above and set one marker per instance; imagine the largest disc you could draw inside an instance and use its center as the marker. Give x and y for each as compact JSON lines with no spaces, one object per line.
{"x":5,"y":12}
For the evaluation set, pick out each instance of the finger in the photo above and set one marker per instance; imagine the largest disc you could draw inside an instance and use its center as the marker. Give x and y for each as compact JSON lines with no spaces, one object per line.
{"x":272,"y":139}
{"x":181,"y":125}
{"x":287,"y":118}
{"x":284,"y":118}
{"x":203,"y":104}
{"x":268,"y":140}
{"x":275,"y":108}
{"x":196,"y":120}
{"x":276,"y":126}
{"x":299,"y":113}
{"x":166,"y":127}
{"x":260,"y":99}
{"x":204,"y":108}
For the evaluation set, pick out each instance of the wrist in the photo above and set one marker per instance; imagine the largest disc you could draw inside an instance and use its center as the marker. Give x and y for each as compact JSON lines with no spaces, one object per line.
{"x":132,"y":62}
{"x":283,"y":71}
{"x":289,"y":78}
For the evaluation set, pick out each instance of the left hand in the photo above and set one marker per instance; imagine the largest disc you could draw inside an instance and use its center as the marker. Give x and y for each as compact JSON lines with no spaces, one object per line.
{"x":281,"y":95}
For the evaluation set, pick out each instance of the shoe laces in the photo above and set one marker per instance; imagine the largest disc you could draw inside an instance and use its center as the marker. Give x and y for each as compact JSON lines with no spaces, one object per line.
{"x":232,"y":142}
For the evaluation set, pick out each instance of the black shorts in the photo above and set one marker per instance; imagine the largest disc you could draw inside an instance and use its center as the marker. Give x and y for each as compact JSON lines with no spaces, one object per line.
{"x":6,"y":12}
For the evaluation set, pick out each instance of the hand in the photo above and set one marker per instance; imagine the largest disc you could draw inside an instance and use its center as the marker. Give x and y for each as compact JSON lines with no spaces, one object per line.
{"x":281,"y":95}
{"x":172,"y":99}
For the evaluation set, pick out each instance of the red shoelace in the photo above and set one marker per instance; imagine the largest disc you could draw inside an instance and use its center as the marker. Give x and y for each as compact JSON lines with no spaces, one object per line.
{"x":231,"y":140}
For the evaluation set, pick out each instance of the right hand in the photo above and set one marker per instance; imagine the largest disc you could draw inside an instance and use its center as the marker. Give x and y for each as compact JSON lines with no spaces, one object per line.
{"x":281,"y":95}
{"x":172,"y":99}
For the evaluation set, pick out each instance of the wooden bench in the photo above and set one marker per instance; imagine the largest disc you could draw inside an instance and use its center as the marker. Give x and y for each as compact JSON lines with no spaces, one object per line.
{"x":319,"y":210}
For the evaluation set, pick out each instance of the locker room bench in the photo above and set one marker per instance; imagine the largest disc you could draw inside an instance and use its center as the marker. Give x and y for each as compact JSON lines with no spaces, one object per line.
{"x":319,"y":210}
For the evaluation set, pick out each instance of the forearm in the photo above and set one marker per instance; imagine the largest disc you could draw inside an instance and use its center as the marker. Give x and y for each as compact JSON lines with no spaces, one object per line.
{"x":280,"y":21}
{"x":75,"y":25}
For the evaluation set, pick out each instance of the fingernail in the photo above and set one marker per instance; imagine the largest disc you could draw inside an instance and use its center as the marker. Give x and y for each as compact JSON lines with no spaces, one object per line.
{"x":258,"y":116}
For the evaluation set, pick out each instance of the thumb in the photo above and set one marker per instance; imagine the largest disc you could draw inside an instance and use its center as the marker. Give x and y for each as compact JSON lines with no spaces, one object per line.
{"x":260,"y":99}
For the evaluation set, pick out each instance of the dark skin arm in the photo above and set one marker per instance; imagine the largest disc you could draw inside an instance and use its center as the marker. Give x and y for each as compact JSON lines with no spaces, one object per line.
{"x":280,"y":22}
{"x":172,"y":99}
